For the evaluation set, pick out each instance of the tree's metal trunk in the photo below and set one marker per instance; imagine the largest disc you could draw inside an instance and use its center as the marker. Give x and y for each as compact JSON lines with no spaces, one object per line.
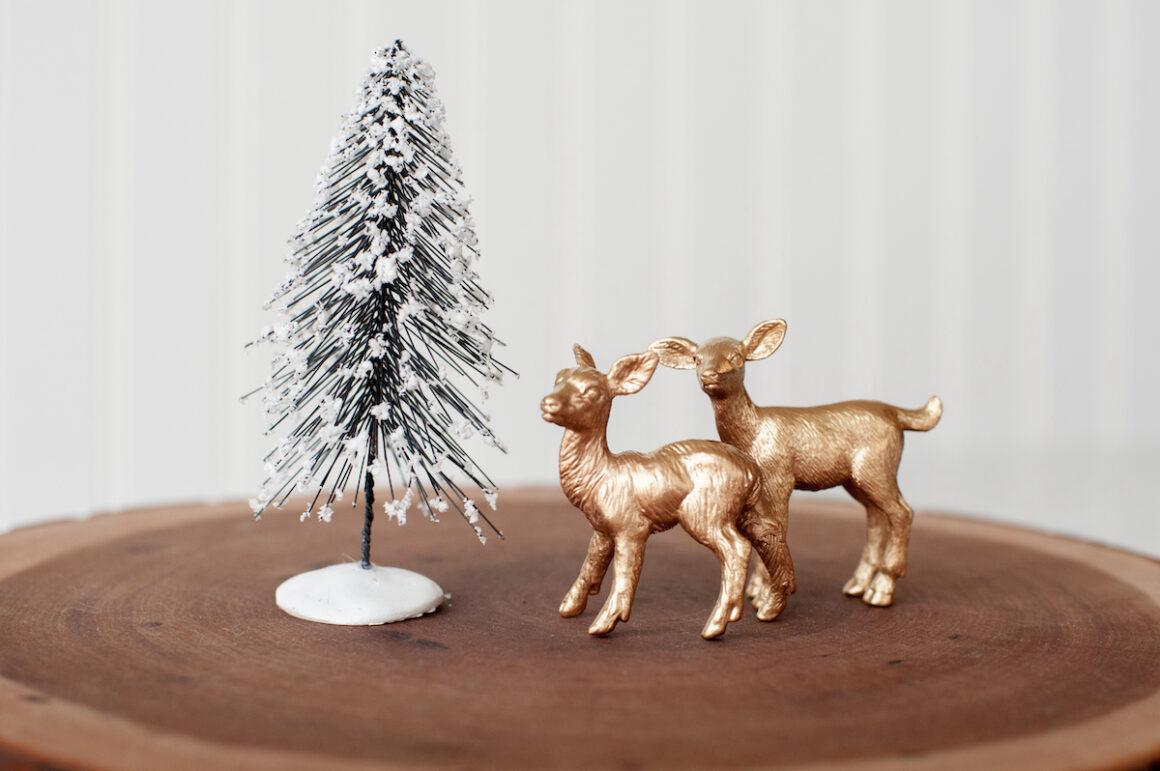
{"x":368,"y":515}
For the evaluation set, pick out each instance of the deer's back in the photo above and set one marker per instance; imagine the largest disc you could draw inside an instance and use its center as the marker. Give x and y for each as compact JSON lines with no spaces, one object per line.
{"x":662,"y":480}
{"x":715,"y":466}
{"x":816,"y":445}
{"x":861,"y":416}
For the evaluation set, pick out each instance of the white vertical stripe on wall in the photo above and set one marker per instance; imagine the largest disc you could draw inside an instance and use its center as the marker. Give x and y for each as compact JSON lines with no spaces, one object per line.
{"x":864,"y":151}
{"x":949,"y":266}
{"x":952,"y":197}
{"x":8,"y":368}
{"x":120,"y":293}
{"x":1034,"y":274}
{"x":1115,"y":139}
{"x":772,"y":41}
{"x":674,"y":152}
{"x":1145,"y":408}
{"x":574,"y":33}
{"x":236,"y":249}
{"x":99,"y":332}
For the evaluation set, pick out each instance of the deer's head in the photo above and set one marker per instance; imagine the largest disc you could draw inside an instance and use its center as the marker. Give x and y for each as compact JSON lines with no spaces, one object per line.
{"x":720,"y":361}
{"x":583,"y":394}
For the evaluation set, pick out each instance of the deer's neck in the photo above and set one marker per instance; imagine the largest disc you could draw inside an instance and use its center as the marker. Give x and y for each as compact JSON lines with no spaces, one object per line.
{"x":736,"y":418}
{"x":583,"y":458}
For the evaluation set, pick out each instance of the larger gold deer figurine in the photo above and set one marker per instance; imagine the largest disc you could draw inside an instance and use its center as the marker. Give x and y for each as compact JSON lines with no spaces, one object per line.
{"x":714,"y":491}
{"x":856,"y":444}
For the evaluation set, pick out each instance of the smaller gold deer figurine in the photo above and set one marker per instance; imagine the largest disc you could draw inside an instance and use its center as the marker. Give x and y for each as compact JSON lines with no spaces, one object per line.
{"x":712,"y":490}
{"x":857,"y":445}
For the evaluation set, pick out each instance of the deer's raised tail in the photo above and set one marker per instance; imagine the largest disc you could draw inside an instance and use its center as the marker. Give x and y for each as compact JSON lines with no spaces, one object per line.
{"x":924,"y":418}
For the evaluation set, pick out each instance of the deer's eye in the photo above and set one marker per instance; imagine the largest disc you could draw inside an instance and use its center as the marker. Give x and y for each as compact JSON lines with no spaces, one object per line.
{"x":735,"y":359}
{"x":697,"y":358}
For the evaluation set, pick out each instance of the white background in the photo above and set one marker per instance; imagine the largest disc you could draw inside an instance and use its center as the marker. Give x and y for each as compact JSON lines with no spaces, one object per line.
{"x":950,"y":197}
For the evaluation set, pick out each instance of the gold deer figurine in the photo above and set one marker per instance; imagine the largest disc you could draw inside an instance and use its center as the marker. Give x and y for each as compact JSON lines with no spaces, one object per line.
{"x":856,"y":444}
{"x":711,"y":489}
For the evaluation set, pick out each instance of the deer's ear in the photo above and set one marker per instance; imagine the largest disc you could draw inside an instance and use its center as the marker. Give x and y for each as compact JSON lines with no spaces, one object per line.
{"x":763,"y":339}
{"x":631,"y":373}
{"x":675,"y":352}
{"x":583,"y":358}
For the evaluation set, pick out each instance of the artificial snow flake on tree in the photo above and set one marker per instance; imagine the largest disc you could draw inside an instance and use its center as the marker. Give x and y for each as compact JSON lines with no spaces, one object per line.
{"x":381,"y":334}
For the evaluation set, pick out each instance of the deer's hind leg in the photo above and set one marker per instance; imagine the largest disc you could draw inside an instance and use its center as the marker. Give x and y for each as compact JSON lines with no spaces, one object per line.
{"x":733,"y":551}
{"x":712,"y":522}
{"x":877,"y":532}
{"x":888,"y":518}
{"x":764,"y":526}
{"x":892,"y":566}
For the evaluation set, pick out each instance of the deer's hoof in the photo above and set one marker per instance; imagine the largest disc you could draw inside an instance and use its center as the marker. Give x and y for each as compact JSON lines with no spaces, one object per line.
{"x":854,"y":588}
{"x":714,"y":629}
{"x":602,"y":626}
{"x":860,"y":581}
{"x":615,"y":609}
{"x":772,"y":604}
{"x":570,"y":608}
{"x":573,"y":605}
{"x":880,"y":593}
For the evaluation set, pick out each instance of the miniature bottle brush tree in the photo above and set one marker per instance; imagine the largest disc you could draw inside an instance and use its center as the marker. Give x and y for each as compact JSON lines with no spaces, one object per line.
{"x":380,"y":334}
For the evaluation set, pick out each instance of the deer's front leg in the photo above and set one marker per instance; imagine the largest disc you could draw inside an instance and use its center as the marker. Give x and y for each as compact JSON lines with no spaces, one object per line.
{"x":759,"y":581}
{"x":629,"y":558}
{"x":591,"y":575}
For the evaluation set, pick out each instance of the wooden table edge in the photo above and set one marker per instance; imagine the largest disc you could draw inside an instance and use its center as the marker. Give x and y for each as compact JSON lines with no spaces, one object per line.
{"x":34,"y":719}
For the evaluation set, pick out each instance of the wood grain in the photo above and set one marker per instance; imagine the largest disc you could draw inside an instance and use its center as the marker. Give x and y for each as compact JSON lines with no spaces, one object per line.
{"x":149,"y":639}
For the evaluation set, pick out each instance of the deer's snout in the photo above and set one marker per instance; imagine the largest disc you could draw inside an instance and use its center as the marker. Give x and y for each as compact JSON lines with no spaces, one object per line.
{"x":550,"y":405}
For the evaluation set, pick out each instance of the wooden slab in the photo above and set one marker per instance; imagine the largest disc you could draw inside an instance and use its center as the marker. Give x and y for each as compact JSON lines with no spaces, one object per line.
{"x":150,"y":639}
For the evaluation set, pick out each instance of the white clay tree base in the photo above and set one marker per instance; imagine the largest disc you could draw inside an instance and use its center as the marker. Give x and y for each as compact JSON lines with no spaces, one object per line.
{"x":351,"y":596}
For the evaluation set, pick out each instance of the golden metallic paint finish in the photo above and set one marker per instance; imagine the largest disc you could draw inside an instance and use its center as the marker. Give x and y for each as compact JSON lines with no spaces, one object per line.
{"x":857,"y":445}
{"x":713,"y":490}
